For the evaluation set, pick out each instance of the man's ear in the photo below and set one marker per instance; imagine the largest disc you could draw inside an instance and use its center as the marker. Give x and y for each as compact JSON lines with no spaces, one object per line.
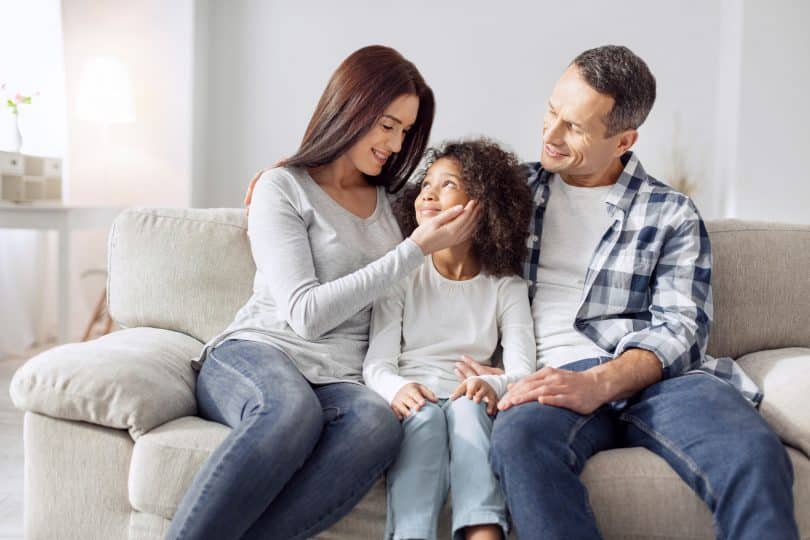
{"x":625,"y":141}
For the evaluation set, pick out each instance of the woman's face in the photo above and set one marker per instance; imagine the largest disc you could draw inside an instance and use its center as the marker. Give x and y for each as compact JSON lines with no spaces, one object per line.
{"x":442,"y":188}
{"x":372,"y":151}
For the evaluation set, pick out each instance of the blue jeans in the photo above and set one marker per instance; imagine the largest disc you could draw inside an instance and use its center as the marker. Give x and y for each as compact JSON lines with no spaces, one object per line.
{"x":446,"y":444}
{"x":703,"y":427}
{"x":299,"y":456}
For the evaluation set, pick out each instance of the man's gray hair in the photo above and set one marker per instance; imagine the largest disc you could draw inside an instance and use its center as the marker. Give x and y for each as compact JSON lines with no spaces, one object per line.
{"x":616,"y":71}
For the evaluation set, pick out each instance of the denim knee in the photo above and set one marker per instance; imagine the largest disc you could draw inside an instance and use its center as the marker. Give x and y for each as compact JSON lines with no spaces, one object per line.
{"x":428,"y":415}
{"x":765,"y":455}
{"x":372,"y":421}
{"x":529,"y":431}
{"x":467,"y":418}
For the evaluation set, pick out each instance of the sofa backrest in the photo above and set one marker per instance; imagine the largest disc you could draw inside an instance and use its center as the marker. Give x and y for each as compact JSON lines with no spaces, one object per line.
{"x":761,"y":286}
{"x":179,"y":269}
{"x":191,"y":270}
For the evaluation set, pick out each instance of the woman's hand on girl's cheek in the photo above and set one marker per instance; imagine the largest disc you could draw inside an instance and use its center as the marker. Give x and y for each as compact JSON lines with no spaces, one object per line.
{"x":449,"y":228}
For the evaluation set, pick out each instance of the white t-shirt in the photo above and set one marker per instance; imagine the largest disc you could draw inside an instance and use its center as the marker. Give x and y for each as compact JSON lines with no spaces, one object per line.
{"x":574,"y":222}
{"x":420,"y":329}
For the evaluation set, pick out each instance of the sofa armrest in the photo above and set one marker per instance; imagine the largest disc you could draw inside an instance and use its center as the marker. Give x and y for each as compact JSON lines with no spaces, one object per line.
{"x":784,"y":377}
{"x":134,"y":379}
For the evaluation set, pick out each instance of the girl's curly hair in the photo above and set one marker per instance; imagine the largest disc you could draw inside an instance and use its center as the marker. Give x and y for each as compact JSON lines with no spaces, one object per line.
{"x":494,"y":178}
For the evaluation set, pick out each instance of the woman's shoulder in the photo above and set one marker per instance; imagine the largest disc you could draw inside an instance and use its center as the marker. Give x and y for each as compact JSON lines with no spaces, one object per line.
{"x":283,"y":177}
{"x":281,"y":184}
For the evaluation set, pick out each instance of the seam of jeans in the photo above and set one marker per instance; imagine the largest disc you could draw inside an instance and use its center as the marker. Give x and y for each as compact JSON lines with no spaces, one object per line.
{"x":572,"y":434}
{"x":575,"y":429}
{"x":376,"y":473}
{"x":204,"y":488}
{"x":697,"y":471}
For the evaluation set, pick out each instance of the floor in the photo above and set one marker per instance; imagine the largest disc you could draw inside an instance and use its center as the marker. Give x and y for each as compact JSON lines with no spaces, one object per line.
{"x":11,"y":452}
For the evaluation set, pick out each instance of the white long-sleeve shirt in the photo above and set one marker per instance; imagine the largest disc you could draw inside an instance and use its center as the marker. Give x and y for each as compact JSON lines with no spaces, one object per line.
{"x":318,"y":269}
{"x":421,"y":328}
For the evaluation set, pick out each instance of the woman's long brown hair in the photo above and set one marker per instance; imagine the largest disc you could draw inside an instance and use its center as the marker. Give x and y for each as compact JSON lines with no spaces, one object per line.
{"x":358,"y":93}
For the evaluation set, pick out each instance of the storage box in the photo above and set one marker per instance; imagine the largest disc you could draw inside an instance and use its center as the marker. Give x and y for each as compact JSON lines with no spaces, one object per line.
{"x":11,"y":163}
{"x":11,"y":187}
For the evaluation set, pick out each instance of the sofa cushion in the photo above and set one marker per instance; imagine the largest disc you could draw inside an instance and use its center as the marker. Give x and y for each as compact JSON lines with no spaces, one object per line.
{"x":760,"y":296}
{"x":628,"y":488}
{"x":784,"y":377}
{"x":188,"y":270}
{"x":133,"y":379}
{"x":165,"y":461}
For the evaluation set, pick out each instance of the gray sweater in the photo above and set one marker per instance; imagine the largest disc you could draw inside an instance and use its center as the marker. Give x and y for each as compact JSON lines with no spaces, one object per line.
{"x":318,"y":269}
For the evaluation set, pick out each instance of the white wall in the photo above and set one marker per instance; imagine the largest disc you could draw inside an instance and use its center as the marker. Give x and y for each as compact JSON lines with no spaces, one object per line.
{"x":491,"y":68}
{"x":147,"y":162}
{"x":30,"y":61}
{"x":773,"y":179}
{"x":144,"y":163}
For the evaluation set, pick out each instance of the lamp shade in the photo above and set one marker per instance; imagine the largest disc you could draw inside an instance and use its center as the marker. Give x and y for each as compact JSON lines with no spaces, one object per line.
{"x":105,"y":92}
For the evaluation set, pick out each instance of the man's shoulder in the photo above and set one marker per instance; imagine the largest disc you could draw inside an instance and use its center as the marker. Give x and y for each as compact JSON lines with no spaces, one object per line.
{"x":534,"y":171}
{"x":659,"y":198}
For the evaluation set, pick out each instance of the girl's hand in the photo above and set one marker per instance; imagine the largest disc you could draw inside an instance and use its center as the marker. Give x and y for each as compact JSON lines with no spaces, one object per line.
{"x":449,"y":228}
{"x":477,"y":390}
{"x":410,"y":399}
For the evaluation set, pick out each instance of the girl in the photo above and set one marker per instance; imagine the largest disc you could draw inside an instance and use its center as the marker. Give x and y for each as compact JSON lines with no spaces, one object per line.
{"x":308,"y":440}
{"x":462,"y":300}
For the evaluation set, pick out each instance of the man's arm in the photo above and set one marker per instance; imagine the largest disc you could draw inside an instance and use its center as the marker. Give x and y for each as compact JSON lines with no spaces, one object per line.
{"x":681,"y":308}
{"x":585,"y":391}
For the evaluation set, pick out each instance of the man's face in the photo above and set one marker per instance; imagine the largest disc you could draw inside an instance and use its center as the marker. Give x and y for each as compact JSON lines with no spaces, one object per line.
{"x":574,"y":142}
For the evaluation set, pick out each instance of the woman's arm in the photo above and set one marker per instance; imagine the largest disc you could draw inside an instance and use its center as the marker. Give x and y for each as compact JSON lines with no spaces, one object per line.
{"x":281,"y":249}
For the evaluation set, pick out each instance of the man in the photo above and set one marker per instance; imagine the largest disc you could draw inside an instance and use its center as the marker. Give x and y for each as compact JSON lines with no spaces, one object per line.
{"x":619,"y":267}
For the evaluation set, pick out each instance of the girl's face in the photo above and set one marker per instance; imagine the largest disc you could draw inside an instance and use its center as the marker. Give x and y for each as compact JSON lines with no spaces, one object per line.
{"x":370,"y":153}
{"x":442,"y":188}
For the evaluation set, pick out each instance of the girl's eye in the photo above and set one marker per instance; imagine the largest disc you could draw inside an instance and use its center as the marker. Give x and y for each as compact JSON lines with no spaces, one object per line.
{"x":449,"y":183}
{"x":387,"y":127}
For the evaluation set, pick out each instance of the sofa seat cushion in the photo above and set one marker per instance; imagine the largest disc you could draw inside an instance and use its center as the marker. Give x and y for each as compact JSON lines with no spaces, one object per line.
{"x":165,"y":460}
{"x":133,"y":379}
{"x":784,"y":377}
{"x":634,"y":493}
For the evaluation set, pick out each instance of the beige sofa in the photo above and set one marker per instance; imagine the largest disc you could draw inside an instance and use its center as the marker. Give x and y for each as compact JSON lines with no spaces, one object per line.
{"x":112,"y":440}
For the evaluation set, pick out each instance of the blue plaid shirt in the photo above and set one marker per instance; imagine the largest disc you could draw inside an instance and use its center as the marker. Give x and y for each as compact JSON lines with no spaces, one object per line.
{"x":648,"y":284}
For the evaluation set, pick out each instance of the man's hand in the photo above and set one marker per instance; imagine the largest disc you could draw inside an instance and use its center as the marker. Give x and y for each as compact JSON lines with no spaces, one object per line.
{"x":467,"y":367}
{"x":580,"y":391}
{"x":410,"y":399}
{"x":252,"y":185}
{"x":477,"y":390}
{"x":585,"y":391}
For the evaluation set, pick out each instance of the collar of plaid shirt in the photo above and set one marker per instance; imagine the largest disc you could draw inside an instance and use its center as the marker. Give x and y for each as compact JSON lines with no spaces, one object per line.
{"x":657,"y":246}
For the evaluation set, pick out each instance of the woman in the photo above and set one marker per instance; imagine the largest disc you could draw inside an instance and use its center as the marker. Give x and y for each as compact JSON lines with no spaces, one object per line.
{"x":308,"y":440}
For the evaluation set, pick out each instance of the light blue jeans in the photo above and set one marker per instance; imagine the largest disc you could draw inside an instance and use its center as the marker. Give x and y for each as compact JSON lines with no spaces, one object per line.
{"x":299,"y":457}
{"x":445,"y":444}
